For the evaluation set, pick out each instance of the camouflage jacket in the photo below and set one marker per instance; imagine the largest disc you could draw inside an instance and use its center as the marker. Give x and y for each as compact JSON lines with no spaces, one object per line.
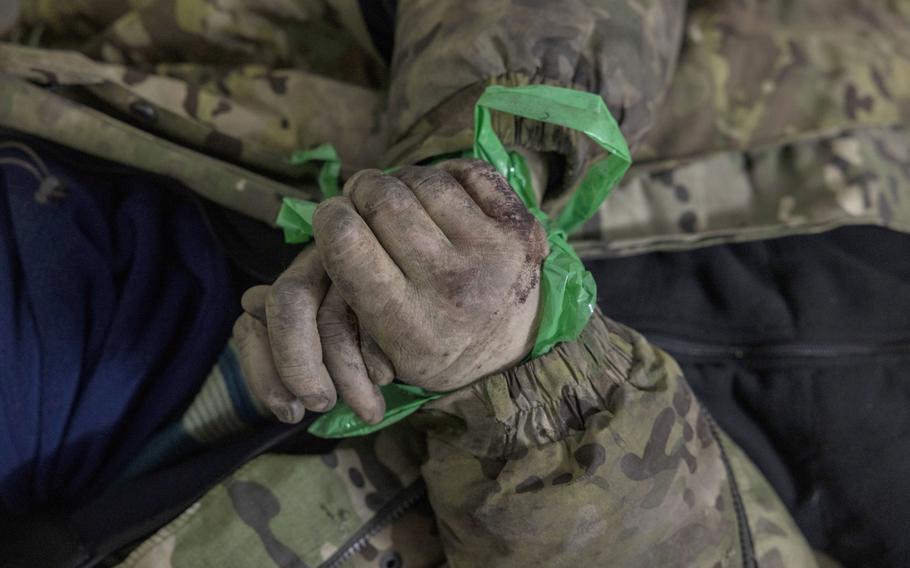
{"x":748,"y":120}
{"x":596,"y":454}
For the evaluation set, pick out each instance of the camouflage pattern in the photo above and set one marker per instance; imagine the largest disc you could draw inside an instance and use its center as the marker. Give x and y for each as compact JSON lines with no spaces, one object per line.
{"x":782,"y":118}
{"x":248,"y":82}
{"x":32,"y":110}
{"x":756,"y":72}
{"x":854,"y":177}
{"x":596,"y":454}
{"x":235,"y":115}
{"x":772,"y":533}
{"x":281,"y":510}
{"x":447,"y":52}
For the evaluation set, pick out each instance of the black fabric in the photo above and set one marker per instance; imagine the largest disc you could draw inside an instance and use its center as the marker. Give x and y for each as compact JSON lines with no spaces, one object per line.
{"x":257,"y":251}
{"x":130,"y":512}
{"x":379,"y":17}
{"x":800,"y":348}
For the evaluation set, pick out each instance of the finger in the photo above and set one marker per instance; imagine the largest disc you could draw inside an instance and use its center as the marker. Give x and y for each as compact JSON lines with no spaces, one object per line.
{"x":341,"y":353}
{"x":252,"y":340}
{"x":366,"y":277}
{"x":253,"y":301}
{"x":445,"y":201}
{"x":291,"y":307}
{"x":489,"y":190}
{"x":399,"y":222}
{"x":379,"y":368}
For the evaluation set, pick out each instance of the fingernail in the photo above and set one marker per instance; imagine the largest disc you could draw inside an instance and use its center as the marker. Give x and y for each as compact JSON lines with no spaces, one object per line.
{"x":290,"y":413}
{"x":317,"y":403}
{"x":378,"y":411}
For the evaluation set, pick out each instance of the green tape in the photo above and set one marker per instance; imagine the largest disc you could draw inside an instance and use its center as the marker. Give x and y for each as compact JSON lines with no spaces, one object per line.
{"x":295,"y":217}
{"x":296,"y":220}
{"x":400,"y":401}
{"x":330,"y":170}
{"x":568,"y":291}
{"x":577,"y":110}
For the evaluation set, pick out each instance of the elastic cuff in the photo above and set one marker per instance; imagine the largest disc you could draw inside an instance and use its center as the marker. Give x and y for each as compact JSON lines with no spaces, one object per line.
{"x":539,"y":402}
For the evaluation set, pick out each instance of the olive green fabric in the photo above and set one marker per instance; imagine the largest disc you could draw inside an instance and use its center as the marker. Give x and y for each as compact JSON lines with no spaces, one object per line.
{"x":782,"y":118}
{"x":854,"y":177}
{"x":699,"y":87}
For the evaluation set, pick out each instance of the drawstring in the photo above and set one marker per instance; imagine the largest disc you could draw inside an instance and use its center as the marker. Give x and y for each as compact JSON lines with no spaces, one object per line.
{"x":49,"y":186}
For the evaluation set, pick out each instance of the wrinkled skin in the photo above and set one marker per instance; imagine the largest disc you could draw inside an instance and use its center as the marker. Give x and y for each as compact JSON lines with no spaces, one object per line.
{"x":428,"y":275}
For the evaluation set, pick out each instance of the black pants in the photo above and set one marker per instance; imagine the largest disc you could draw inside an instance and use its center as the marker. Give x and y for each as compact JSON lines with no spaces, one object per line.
{"x":800,"y":348}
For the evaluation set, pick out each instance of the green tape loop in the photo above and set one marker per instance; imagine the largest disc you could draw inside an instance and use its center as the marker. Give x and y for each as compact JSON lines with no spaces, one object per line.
{"x":568,"y":291}
{"x":576,"y":110}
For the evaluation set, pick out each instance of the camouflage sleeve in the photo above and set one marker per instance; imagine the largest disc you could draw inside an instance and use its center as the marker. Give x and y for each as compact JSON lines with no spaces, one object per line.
{"x":597,"y":454}
{"x":446,"y":53}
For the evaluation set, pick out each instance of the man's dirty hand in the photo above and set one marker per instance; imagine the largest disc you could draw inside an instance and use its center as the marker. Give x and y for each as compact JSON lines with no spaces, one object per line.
{"x":441,"y":265}
{"x":433,"y":277}
{"x":300,"y":346}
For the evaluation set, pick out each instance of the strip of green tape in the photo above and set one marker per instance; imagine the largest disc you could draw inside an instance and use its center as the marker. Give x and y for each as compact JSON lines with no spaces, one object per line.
{"x":576,"y":110}
{"x":400,"y":401}
{"x":295,"y":217}
{"x":568,"y":291}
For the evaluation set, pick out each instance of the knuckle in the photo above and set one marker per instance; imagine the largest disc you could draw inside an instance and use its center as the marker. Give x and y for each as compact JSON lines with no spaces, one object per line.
{"x":329,"y":212}
{"x":335,"y":315}
{"x":240,"y":330}
{"x":346,"y":236}
{"x":412,"y":174}
{"x":469,"y":164}
{"x":333,"y":334}
{"x":479,"y":171}
{"x":296,"y":377}
{"x":336,"y":326}
{"x":252,"y":299}
{"x":274,"y":399}
{"x":423,"y":178}
{"x":388,"y":199}
{"x":245,"y":330}
{"x":359,"y":178}
{"x":435,"y":182}
{"x":339,"y":229}
{"x":287,"y":292}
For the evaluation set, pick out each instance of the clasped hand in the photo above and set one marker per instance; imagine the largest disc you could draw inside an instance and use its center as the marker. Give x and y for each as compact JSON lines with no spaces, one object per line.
{"x":430,"y":275}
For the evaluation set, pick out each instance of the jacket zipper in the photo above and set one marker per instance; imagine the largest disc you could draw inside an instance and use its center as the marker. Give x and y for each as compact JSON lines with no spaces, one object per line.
{"x":695,"y":349}
{"x":389,"y":513}
{"x":747,"y":545}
